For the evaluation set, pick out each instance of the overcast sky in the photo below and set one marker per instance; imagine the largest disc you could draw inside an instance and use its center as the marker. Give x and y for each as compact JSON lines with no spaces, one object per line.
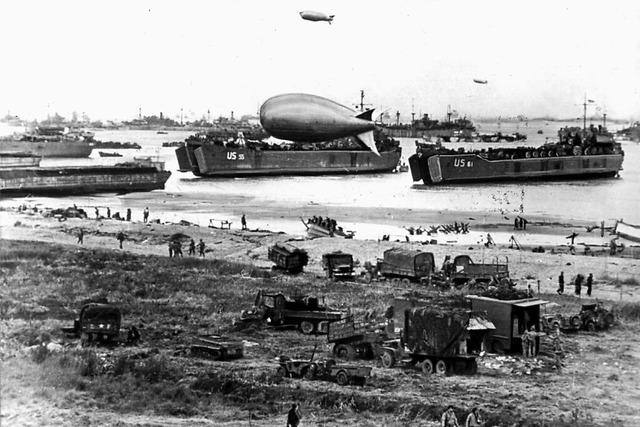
{"x":109,"y":58}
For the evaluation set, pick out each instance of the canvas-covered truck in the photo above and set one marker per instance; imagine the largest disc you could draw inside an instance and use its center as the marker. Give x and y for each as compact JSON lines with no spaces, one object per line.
{"x":338,"y":265}
{"x":287,"y":257}
{"x":406,"y":265}
{"x":353,"y":337}
{"x":463,"y":270}
{"x":439,"y":341}
{"x":305,"y":312}
{"x":101,"y":323}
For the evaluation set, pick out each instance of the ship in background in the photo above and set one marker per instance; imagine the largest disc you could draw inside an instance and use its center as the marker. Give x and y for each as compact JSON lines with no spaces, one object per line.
{"x":457,"y":128}
{"x":49,"y":141}
{"x":317,"y":137}
{"x":579,"y":153}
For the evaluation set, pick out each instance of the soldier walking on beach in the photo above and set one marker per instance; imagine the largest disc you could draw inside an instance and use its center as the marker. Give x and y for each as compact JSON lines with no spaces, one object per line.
{"x":120,"y":236}
{"x":170,"y":249}
{"x":108,"y":212}
{"x":589,"y":284}
{"x":177,"y":249}
{"x":128,"y":214}
{"x":201,"y":247}
{"x":243,"y":221}
{"x":578,"y":284}
{"x":192,"y":248}
{"x":145,"y":214}
{"x":81,"y":236}
{"x":293,"y":416}
{"x":97,"y":213}
{"x":561,"y":283}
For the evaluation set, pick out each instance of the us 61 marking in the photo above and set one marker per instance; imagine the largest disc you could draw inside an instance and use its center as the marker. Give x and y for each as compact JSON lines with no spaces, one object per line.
{"x":232,"y":155}
{"x":462,"y":163}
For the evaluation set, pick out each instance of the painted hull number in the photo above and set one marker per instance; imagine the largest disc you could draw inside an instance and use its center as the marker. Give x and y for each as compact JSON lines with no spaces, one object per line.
{"x":463,"y":163}
{"x":232,"y":155}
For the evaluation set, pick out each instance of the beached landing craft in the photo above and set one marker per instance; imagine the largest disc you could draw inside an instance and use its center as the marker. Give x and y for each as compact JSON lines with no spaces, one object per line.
{"x":579,"y":153}
{"x":320,"y":137}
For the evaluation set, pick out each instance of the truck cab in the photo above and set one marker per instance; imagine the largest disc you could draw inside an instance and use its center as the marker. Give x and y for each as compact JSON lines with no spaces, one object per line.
{"x":338,"y":265}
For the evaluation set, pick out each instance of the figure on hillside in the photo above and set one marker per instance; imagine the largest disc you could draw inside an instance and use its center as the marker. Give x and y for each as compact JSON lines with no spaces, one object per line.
{"x":589,"y":284}
{"x":120,"y":236}
{"x":294,"y":416}
{"x":128,"y":214}
{"x":449,"y":418}
{"x":474,"y":419}
{"x":561,"y":283}
{"x":243,"y":221}
{"x":192,"y":248}
{"x":81,"y":236}
{"x":201,"y":248}
{"x":145,"y":214}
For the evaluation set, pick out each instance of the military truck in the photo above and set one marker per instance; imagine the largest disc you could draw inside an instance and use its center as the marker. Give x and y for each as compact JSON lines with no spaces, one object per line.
{"x":338,"y":265}
{"x":463,"y":270}
{"x":406,"y":265}
{"x":100,"y":323}
{"x":305,"y":312}
{"x":288,"y":257}
{"x":437,"y":340}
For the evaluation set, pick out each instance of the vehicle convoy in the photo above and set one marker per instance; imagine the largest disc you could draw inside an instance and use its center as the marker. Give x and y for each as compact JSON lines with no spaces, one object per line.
{"x":357,"y":338}
{"x":511,"y":318}
{"x":338,"y":265}
{"x":405,"y":264}
{"x":303,"y":311}
{"x":438,"y":340}
{"x":288,"y":257}
{"x":100,"y":323}
{"x":579,"y":153}
{"x":327,"y":370}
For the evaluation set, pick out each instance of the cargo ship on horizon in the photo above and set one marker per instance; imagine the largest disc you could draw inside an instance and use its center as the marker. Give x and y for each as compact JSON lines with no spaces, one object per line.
{"x":578,"y":154}
{"x":214,"y":156}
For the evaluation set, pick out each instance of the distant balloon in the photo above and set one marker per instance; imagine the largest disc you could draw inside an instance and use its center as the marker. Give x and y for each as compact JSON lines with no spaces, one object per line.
{"x":311,"y":15}
{"x":480,"y":81}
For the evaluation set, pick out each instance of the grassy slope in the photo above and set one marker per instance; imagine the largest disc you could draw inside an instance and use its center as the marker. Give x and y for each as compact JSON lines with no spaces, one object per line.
{"x":172,"y":300}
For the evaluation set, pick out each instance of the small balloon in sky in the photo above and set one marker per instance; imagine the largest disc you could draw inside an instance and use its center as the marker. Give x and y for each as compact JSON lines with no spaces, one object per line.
{"x":311,"y":15}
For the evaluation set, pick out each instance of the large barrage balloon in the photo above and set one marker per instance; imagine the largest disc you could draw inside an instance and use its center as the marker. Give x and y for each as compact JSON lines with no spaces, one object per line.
{"x":311,"y":15}
{"x":309,"y":118}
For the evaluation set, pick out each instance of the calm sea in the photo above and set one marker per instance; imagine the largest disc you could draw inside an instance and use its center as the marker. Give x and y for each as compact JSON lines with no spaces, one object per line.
{"x":194,"y":199}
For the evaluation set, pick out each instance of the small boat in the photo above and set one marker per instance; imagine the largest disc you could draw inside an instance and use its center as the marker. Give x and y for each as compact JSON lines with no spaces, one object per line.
{"x":105,"y":154}
{"x":628,"y":231}
{"x":315,"y":230}
{"x":162,"y":132}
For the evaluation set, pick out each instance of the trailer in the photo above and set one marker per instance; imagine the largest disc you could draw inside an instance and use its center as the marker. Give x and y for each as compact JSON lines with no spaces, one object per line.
{"x":217,"y":349}
{"x":287,"y":257}
{"x":511,"y":318}
{"x":406,"y":265}
{"x":353,"y":338}
{"x":440,"y":341}
{"x":305,"y":312}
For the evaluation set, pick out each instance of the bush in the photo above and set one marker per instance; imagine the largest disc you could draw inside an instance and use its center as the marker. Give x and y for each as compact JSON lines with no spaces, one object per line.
{"x":40,"y":354}
{"x":629,"y":311}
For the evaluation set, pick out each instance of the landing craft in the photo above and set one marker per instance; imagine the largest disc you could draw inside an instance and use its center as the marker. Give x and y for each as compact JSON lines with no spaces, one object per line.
{"x":309,"y":118}
{"x":480,"y":81}
{"x":310,"y":15}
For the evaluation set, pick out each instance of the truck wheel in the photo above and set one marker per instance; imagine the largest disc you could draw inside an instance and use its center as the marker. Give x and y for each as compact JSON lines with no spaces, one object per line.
{"x":388,"y":359}
{"x":406,"y":282}
{"x":426,"y":367}
{"x":310,"y":374}
{"x":342,"y":378}
{"x":441,"y":367}
{"x":555,"y":325}
{"x":344,"y":351}
{"x":575,"y":321}
{"x":306,"y":327}
{"x":282,"y":372}
{"x":591,"y":326}
{"x":395,"y":281}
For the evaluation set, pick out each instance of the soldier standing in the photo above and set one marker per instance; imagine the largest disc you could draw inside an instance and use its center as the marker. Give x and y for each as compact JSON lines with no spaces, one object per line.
{"x":128,"y":214}
{"x":293,"y":417}
{"x":201,"y":247}
{"x":525,"y":337}
{"x":589,"y":284}
{"x":449,"y":418}
{"x":145,"y":214}
{"x":170,"y":249}
{"x":81,"y":236}
{"x":120,"y":236}
{"x":108,"y":212}
{"x":243,"y":221}
{"x":561,"y":283}
{"x":177,"y":249}
{"x":97,"y":213}
{"x":473,"y":419}
{"x":578,"y":284}
{"x":192,"y":248}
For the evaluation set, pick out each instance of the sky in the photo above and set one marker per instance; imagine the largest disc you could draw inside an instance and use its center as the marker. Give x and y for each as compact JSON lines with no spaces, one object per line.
{"x":109,"y":58}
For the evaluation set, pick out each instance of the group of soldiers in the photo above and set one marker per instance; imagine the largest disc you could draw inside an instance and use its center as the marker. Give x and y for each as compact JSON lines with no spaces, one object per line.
{"x":449,"y":419}
{"x":328,"y":223}
{"x":175,"y":248}
{"x":577,"y":284}
{"x":127,"y":217}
